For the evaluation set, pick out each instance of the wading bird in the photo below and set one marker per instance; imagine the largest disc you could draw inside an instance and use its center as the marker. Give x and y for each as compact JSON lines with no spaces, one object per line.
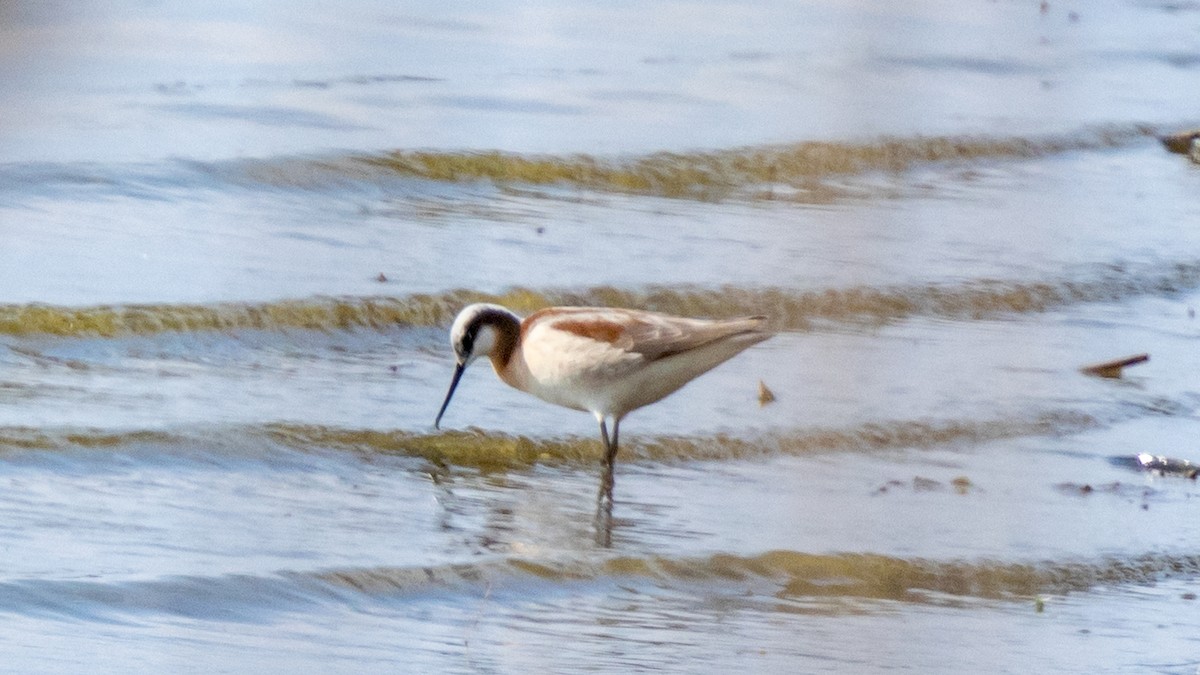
{"x":605,"y":361}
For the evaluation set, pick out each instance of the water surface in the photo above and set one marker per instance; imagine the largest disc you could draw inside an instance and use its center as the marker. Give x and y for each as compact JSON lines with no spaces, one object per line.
{"x":232,"y":239}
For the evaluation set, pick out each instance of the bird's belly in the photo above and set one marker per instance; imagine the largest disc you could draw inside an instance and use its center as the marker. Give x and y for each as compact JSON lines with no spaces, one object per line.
{"x":614,"y":392}
{"x":605,"y":379}
{"x":598,"y":388}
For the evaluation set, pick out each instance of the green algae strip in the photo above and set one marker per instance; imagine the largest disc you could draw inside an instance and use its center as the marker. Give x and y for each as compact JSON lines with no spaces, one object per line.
{"x":788,"y":309}
{"x":489,"y":450}
{"x":793,"y":575}
{"x":481,"y":449}
{"x":707,"y":174}
{"x":320,"y":313}
{"x":471,"y":448}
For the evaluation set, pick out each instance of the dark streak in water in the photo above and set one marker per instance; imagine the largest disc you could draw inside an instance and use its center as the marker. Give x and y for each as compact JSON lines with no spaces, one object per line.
{"x":271,"y":116}
{"x":503,"y":104}
{"x":185,"y":87}
{"x":979,"y":65}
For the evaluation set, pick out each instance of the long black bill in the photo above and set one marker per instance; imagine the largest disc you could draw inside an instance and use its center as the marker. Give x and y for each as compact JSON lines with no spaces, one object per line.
{"x":458,"y":371}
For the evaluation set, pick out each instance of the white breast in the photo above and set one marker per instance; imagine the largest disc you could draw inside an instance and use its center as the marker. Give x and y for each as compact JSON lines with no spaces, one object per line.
{"x":574,"y":371}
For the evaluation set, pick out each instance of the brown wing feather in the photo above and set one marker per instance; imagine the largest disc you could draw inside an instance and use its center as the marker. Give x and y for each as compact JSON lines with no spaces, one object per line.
{"x":658,"y":336}
{"x":650,"y":334}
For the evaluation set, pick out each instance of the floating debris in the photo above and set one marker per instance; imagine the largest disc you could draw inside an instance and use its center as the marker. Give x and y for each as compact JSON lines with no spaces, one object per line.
{"x":962,"y":485}
{"x":765,"y":395}
{"x":1112,"y":369}
{"x":1165,"y":466}
{"x":922,"y":484}
{"x":1130,"y":491}
{"x":883,"y":489}
{"x":1181,"y":142}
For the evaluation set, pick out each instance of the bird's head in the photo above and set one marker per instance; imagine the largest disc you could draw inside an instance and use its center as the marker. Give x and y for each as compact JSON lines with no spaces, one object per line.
{"x":478,"y":330}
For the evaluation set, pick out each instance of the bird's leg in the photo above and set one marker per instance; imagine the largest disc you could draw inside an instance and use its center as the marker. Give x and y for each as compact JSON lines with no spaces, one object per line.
{"x":610,"y":456}
{"x":604,"y":499}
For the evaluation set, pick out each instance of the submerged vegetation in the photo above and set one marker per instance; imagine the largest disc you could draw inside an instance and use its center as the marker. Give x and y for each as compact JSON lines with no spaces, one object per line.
{"x":721,"y":173}
{"x":490,"y":450}
{"x":790,"y":309}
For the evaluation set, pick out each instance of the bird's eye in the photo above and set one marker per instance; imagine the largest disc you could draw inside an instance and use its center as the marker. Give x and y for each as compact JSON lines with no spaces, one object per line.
{"x":467,"y":343}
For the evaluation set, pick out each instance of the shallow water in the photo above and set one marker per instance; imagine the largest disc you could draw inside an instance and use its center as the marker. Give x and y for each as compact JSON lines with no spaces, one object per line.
{"x":233,"y":238}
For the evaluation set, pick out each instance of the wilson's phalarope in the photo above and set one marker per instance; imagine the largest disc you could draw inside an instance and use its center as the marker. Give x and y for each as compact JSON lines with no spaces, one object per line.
{"x":599,"y":360}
